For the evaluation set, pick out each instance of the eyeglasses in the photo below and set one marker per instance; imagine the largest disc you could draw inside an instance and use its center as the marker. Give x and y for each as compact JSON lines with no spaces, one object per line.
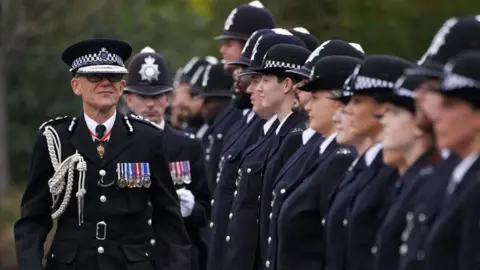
{"x":98,"y":77}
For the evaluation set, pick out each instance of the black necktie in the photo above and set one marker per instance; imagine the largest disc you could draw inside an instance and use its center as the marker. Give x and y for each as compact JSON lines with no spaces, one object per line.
{"x":99,"y":133}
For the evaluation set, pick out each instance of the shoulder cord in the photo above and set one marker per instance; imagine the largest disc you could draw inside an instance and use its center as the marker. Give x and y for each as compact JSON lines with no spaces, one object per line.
{"x":57,"y":182}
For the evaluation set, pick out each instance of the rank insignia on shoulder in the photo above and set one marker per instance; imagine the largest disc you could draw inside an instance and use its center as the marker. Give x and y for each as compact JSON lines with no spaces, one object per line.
{"x":426,"y":171}
{"x":295,"y":130}
{"x":344,"y":151}
{"x":190,"y":135}
{"x":133,"y":175}
{"x":55,"y":120}
{"x":180,"y":172}
{"x":144,"y":120}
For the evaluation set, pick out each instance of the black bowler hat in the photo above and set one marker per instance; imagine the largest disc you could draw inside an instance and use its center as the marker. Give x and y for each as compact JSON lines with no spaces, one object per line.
{"x":264,"y":43}
{"x":148,"y":74}
{"x":99,"y":55}
{"x":462,"y":78}
{"x":311,"y":42}
{"x":330,"y":73}
{"x":215,"y":82}
{"x":244,"y":59}
{"x":246,"y":19}
{"x":455,"y":36}
{"x":377,"y":75}
{"x":187,"y":72}
{"x":403,"y":94}
{"x":328,"y":48}
{"x":282,"y":57}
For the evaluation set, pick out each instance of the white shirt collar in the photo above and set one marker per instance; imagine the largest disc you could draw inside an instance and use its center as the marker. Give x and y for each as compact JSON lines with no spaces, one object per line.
{"x":201,"y":131}
{"x":250,"y":116}
{"x":327,"y":142}
{"x":92,"y":125}
{"x":463,"y":167}
{"x":307,"y":134}
{"x":445,"y":153}
{"x":281,"y":123}
{"x":372,"y":153}
{"x":269,"y":124}
{"x":245,"y":111}
{"x":162,"y":124}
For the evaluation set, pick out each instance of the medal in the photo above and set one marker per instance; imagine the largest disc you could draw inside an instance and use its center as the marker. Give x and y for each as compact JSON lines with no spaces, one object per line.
{"x":179,"y":171}
{"x":100,"y":142}
{"x":186,"y":172}
{"x":171,"y":166}
{"x":147,"y":182}
{"x":138,"y":175}
{"x":121,"y":178}
{"x":100,"y":150}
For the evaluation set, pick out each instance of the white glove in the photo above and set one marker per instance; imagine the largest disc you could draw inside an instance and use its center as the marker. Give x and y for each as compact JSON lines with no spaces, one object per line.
{"x":187,"y":201}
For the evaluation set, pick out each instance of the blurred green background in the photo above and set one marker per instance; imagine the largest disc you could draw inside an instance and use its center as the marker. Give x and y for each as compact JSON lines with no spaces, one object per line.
{"x":34,"y":83}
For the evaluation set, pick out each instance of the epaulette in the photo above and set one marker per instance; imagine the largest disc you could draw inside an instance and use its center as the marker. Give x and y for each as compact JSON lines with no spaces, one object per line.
{"x":296,"y":130}
{"x":190,"y":135}
{"x":60,"y":119}
{"x":139,"y":119}
{"x":344,"y":151}
{"x":426,"y":171}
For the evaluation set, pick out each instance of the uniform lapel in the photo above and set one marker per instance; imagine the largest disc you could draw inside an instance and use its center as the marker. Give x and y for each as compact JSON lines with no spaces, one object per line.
{"x":298,"y":154}
{"x":118,"y":141}
{"x":83,"y":142}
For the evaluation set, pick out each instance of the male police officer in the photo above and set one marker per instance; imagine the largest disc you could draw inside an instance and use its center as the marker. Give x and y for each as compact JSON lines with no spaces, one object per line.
{"x":95,"y":174}
{"x":147,"y":95}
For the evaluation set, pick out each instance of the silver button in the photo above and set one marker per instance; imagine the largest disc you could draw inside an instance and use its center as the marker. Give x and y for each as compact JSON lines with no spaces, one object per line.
{"x":100,"y":250}
{"x":235,"y":193}
{"x":211,"y":224}
{"x":345,"y":222}
{"x":230,"y":216}
{"x":267,"y":264}
{"x":270,"y":216}
{"x":153,"y":242}
{"x":282,"y":191}
{"x":229,"y":156}
{"x":259,"y":197}
{"x":103,"y":198}
{"x":218,"y":174}
{"x":149,"y":203}
{"x":227,"y":239}
{"x":53,"y":255}
{"x":222,"y":158}
{"x":403,"y":249}
{"x":212,"y":202}
{"x":269,"y":239}
{"x":146,"y":254}
{"x":150,"y":221}
{"x":249,"y":170}
{"x":219,"y":136}
{"x":207,"y":157}
{"x":323,"y":221}
{"x":374,"y":250}
{"x":422,"y":217}
{"x":102,"y":172}
{"x":239,"y":171}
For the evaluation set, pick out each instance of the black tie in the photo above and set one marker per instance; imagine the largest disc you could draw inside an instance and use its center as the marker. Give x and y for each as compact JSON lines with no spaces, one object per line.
{"x":99,"y":133}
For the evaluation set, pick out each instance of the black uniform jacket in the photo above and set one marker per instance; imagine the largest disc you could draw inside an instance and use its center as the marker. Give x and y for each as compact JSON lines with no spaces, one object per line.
{"x":422,"y":213}
{"x":213,"y":140}
{"x":223,"y":195}
{"x":388,"y":241}
{"x":115,"y":233}
{"x":299,"y":206}
{"x":445,"y":244}
{"x":282,"y":147}
{"x":367,"y":212}
{"x":180,"y":147}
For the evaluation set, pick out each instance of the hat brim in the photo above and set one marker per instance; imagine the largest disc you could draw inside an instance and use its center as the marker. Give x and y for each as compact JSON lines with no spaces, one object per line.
{"x":401,"y":101}
{"x":148,"y":90}
{"x":101,"y":69}
{"x":329,"y":82}
{"x":242,"y":61}
{"x":248,"y":71}
{"x":215,"y":94}
{"x":428,"y":69}
{"x":273,"y":71}
{"x":344,"y":99}
{"x":302,"y":72}
{"x":231,"y":35}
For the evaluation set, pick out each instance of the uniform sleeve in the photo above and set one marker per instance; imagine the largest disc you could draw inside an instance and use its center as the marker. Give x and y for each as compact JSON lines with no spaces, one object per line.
{"x":167,"y":222}
{"x":199,"y":188}
{"x":35,"y":222}
{"x":469,"y":251}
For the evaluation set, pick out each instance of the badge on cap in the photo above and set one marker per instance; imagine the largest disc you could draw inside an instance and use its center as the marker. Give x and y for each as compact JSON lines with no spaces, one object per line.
{"x":149,"y":71}
{"x":133,"y":175}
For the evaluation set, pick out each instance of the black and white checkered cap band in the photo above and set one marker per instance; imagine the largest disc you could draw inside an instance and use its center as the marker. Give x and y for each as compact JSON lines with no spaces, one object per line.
{"x":363,"y":82}
{"x":403,"y":92}
{"x":454,"y":81}
{"x":103,"y":57}
{"x":279,"y":64}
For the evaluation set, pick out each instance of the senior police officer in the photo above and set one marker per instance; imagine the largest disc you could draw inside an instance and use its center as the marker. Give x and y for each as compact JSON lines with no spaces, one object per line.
{"x":147,"y":93}
{"x":95,"y":174}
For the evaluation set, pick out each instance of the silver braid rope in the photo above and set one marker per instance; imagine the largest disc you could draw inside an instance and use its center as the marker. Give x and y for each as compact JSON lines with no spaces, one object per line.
{"x":57,"y":182}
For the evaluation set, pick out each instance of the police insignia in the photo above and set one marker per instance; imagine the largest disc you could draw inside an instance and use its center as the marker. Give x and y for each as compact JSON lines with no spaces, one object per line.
{"x":149,"y":71}
{"x":133,"y":175}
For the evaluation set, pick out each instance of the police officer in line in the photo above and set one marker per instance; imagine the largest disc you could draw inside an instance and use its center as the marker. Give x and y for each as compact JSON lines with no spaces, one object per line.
{"x":147,"y":93}
{"x":95,"y":174}
{"x":457,"y":35}
{"x":311,"y":42}
{"x":185,"y":103}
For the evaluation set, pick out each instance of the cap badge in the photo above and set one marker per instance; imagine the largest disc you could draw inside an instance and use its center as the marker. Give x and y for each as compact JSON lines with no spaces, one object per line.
{"x":229,"y":21}
{"x":103,"y":54}
{"x":149,"y":70}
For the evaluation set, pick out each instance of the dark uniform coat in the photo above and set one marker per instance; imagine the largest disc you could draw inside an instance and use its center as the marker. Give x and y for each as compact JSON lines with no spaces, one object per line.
{"x":180,"y":147}
{"x":282,"y":147}
{"x":388,"y":240}
{"x":296,"y":239}
{"x":115,"y":233}
{"x":446,"y":247}
{"x":223,"y":196}
{"x":239,"y":223}
{"x":422,"y":213}
{"x":213,"y":140}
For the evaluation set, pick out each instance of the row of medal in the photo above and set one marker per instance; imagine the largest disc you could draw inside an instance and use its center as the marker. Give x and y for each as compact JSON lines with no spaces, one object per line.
{"x":180,"y":172}
{"x":134,"y":175}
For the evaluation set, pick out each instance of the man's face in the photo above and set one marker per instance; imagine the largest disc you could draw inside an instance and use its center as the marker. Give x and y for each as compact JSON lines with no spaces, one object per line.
{"x":272,"y":91}
{"x":321,"y":109}
{"x":256,"y":99}
{"x":456,"y":124}
{"x":241,"y":83}
{"x":149,"y":107}
{"x":231,"y":50}
{"x":184,"y":102}
{"x":362,"y":111}
{"x":99,"y":91}
{"x":399,"y":129}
